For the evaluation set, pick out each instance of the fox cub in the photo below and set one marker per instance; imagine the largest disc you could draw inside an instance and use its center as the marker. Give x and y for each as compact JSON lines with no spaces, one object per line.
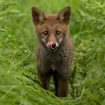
{"x":55,"y":49}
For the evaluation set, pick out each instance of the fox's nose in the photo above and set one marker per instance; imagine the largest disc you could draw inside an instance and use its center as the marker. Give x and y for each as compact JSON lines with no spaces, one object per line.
{"x":54,"y":45}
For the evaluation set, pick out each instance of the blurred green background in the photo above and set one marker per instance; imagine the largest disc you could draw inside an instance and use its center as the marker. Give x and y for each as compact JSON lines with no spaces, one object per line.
{"x":19,"y":84}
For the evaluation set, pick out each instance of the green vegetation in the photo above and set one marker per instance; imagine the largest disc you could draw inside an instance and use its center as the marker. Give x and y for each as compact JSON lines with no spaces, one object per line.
{"x":19,"y":84}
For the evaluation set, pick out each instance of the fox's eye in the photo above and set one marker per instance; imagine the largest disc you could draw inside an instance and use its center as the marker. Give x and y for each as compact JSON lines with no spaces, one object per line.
{"x":58,"y":32}
{"x":45,"y":32}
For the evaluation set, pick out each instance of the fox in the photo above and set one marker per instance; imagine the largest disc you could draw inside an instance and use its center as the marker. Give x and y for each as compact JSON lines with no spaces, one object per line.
{"x":54,"y":53}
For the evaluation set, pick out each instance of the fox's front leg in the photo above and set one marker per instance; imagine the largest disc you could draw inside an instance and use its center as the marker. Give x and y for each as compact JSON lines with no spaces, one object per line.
{"x":44,"y":79}
{"x":62,"y":87}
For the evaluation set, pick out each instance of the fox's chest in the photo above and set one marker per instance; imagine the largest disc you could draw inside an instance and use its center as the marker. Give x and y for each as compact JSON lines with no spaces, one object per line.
{"x":54,"y":60}
{"x":56,"y":56}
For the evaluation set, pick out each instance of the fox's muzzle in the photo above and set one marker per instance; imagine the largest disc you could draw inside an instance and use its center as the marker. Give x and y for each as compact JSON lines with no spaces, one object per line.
{"x":52,"y":45}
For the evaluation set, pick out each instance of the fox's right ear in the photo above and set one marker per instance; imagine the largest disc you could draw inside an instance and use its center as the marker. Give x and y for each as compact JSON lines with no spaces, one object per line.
{"x":37,"y":15}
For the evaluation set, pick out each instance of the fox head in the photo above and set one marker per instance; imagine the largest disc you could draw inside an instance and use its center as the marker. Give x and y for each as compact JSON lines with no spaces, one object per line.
{"x":51,"y":29}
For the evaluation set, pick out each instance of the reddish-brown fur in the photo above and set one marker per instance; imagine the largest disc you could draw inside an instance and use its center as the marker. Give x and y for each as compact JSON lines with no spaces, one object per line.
{"x":53,"y":62}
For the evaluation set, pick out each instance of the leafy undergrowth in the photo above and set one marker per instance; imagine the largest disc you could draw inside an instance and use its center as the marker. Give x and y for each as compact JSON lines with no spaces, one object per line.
{"x":19,"y":84}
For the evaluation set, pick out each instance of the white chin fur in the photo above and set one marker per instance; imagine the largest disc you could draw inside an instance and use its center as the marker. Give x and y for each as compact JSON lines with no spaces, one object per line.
{"x":57,"y":44}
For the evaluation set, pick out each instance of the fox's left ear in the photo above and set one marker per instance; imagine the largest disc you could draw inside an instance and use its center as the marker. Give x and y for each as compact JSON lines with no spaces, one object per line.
{"x":64,"y":15}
